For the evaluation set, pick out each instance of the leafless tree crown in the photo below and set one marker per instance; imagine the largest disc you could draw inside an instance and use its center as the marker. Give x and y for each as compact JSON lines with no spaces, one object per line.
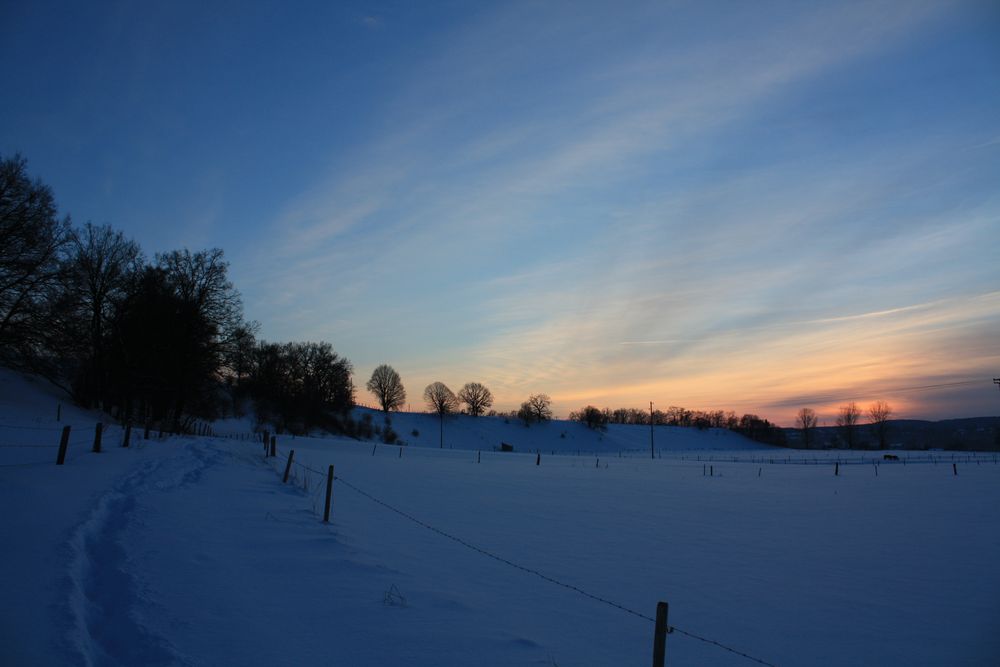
{"x":477,"y":397}
{"x":806,"y":421}
{"x":440,"y":398}
{"x":847,"y":420}
{"x":32,"y":242}
{"x":879,"y":413}
{"x":387,"y":387}
{"x":537,"y":408}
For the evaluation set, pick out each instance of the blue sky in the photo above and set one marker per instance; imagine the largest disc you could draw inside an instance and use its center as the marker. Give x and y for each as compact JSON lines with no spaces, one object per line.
{"x":747,"y":206}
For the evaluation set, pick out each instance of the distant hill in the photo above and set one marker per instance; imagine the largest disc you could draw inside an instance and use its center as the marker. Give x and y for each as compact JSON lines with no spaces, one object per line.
{"x":970,"y":434}
{"x":487,"y":433}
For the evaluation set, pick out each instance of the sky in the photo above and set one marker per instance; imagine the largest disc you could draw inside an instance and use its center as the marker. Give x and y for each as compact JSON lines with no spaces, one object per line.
{"x":754,"y":207}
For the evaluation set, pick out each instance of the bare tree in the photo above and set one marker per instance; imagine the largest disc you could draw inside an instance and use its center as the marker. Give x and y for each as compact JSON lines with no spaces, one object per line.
{"x":879,"y":413}
{"x":239,"y":357}
{"x":208,"y":314}
{"x":806,"y":421}
{"x":442,"y":400}
{"x":387,"y":387}
{"x":32,"y":243}
{"x":537,"y":408}
{"x":103,"y":266}
{"x":201,"y":279}
{"x":593,"y":417}
{"x":297,"y":386}
{"x":477,"y":397}
{"x":847,"y":421}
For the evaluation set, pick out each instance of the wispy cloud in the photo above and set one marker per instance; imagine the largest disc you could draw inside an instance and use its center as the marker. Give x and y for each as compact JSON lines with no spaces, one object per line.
{"x":601,"y":235}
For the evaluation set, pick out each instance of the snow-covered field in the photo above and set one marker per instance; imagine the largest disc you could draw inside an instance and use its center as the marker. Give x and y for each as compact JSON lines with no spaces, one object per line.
{"x":192,"y":551}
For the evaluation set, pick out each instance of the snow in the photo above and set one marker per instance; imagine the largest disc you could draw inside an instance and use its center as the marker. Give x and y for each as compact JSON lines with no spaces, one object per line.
{"x":559,"y":436}
{"x":191,"y":551}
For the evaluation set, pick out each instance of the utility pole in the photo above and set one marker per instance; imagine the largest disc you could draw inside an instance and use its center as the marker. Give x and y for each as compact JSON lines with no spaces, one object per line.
{"x":996,"y":381}
{"x":652,"y":449}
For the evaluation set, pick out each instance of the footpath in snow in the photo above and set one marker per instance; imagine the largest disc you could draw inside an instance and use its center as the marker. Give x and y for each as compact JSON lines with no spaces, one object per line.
{"x":191,"y":551}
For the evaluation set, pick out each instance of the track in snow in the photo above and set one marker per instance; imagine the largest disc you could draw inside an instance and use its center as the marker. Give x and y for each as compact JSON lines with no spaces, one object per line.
{"x":104,"y":599}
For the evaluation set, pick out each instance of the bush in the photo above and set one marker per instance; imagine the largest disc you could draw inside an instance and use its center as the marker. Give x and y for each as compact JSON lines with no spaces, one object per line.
{"x":593,"y":417}
{"x":365,"y":430}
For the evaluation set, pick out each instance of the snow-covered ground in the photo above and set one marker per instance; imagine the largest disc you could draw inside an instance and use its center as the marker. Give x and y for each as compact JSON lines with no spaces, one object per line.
{"x":486,"y":433}
{"x":191,"y":551}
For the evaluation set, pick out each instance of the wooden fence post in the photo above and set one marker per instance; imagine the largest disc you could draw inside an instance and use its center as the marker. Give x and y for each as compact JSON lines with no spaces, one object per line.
{"x":145,"y":431}
{"x":128,"y":435}
{"x":538,"y":459}
{"x":63,"y":443}
{"x":954,"y":469}
{"x":660,"y":635}
{"x":836,"y":469}
{"x":329,"y":494}
{"x":97,"y":437}
{"x":274,"y":445}
{"x":288,"y":466}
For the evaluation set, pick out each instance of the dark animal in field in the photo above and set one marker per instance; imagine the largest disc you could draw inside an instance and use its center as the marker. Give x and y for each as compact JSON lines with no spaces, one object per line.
{"x":890,"y":457}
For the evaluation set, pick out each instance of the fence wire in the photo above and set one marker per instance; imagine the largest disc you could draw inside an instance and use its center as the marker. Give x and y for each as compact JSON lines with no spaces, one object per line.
{"x":544,"y":577}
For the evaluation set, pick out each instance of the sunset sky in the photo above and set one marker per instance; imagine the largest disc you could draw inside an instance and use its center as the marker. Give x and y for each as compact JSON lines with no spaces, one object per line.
{"x":720,"y":205}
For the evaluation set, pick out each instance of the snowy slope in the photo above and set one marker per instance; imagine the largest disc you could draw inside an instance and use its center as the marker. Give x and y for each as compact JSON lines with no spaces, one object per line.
{"x":191,"y":551}
{"x":557,"y":436}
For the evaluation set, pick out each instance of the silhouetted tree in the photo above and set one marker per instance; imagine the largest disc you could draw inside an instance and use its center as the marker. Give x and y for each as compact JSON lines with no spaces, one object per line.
{"x":677,"y":416}
{"x":32,"y":242}
{"x":477,"y":397}
{"x":201,"y":279}
{"x":593,"y":417}
{"x":879,"y":413}
{"x":298,"y":386}
{"x":536,"y":409}
{"x":387,"y":387}
{"x":101,"y":270}
{"x":441,"y":400}
{"x":238,"y":356}
{"x":806,"y":421}
{"x":163,"y":353}
{"x":847,"y":422}
{"x":761,"y":430}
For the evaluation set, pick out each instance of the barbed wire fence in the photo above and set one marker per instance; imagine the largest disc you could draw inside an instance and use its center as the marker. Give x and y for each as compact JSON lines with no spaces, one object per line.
{"x":86,"y":438}
{"x":310,"y":473}
{"x":312,"y":480}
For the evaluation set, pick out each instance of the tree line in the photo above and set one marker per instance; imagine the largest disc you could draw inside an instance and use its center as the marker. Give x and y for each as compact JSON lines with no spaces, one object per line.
{"x":165,"y":340}
{"x":387,"y":387}
{"x":161,"y":339}
{"x":752,"y":426}
{"x":849,"y":433}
